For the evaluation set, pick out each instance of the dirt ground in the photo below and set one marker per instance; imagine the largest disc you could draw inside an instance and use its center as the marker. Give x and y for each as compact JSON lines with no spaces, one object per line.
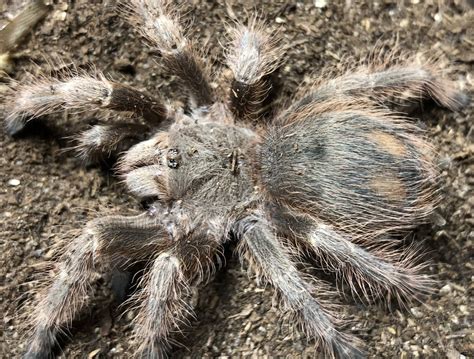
{"x":45,"y":191}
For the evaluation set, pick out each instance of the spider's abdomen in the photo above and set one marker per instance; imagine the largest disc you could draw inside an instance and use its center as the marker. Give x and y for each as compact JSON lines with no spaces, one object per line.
{"x":357,"y":169}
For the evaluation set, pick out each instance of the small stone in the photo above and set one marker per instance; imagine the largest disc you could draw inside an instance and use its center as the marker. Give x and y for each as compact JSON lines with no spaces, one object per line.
{"x":93,"y":353}
{"x":438,"y":219}
{"x":366,"y":24}
{"x":438,"y":17}
{"x":415,"y":351}
{"x":445,"y":290}
{"x":463,"y":309}
{"x":60,"y":15}
{"x":417,"y":313}
{"x":454,"y":354}
{"x":258,"y":338}
{"x":14,"y":182}
{"x":320,"y":3}
{"x":392,"y":330}
{"x":280,"y":20}
{"x":404,"y":23}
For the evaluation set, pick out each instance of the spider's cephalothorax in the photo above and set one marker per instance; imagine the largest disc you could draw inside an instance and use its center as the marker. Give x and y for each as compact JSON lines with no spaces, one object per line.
{"x":335,"y":175}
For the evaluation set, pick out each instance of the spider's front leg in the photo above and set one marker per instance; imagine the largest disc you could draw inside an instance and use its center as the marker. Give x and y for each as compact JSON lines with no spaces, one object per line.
{"x":45,"y":95}
{"x":160,"y":25}
{"x":111,"y":239}
{"x":268,"y":258}
{"x":253,"y":57}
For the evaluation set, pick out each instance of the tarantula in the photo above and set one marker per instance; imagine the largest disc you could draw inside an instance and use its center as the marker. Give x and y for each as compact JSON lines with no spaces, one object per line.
{"x":336,"y":176}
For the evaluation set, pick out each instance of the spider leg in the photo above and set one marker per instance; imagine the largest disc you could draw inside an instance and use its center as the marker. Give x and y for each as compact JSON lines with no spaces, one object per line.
{"x":260,"y":245}
{"x":372,"y":271}
{"x":116,"y":238}
{"x":160,"y":25}
{"x":162,"y":305}
{"x":406,"y":80}
{"x":254,"y":55}
{"x":45,"y":95}
{"x":164,"y":297}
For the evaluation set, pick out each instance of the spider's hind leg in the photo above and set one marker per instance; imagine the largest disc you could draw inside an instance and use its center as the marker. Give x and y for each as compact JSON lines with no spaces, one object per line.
{"x":114,"y":239}
{"x":374,"y":271}
{"x":268,"y":258}
{"x":394,"y":77}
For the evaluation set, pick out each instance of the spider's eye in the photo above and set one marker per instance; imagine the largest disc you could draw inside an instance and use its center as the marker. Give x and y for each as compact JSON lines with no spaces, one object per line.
{"x":173,"y":158}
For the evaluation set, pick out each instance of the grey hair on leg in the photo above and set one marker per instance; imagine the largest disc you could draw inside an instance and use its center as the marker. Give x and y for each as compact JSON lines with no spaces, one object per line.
{"x":159,"y":23}
{"x":46,"y":94}
{"x":374,"y":272}
{"x":261,"y":247}
{"x":163,"y":306}
{"x":254,"y":54}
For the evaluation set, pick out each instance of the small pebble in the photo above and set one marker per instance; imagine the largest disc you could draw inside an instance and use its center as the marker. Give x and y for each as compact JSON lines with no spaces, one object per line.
{"x":464,"y":310}
{"x":445,"y":290}
{"x":366,"y":24}
{"x":59,"y":15}
{"x":417,"y":313}
{"x":320,"y":3}
{"x":14,"y":182}
{"x":93,"y":353}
